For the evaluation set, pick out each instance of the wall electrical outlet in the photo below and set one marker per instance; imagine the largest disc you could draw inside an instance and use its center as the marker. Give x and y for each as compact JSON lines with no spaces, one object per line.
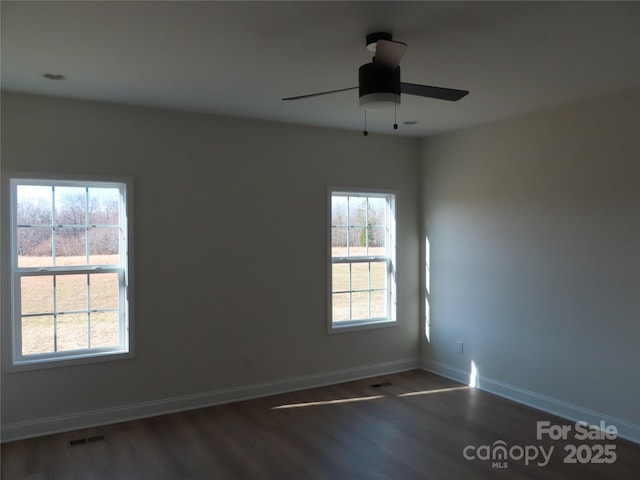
{"x":460,"y":347}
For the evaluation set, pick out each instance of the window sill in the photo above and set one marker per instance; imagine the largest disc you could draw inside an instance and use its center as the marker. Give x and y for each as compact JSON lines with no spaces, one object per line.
{"x":69,"y":361}
{"x":344,"y":327}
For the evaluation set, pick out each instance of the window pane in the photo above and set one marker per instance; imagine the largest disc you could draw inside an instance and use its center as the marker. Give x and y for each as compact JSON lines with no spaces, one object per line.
{"x":379,"y":304}
{"x":34,"y":247}
{"x":71,"y":292}
{"x":71,"y":246}
{"x":377,"y":210}
{"x":376,"y":241}
{"x":105,"y":329}
{"x":104,"y":246}
{"x":105,"y":290}
{"x":340,"y":277}
{"x":339,"y":210}
{"x":357,"y":242}
{"x":104,"y":204}
{"x":36,"y":295}
{"x":71,"y":206}
{"x":358,"y":211}
{"x":359,"y":305}
{"x":340,"y":307}
{"x":360,"y":276}
{"x":379,"y":275}
{"x":72,"y":331}
{"x":34,"y":205}
{"x":339,"y":241}
{"x":37,"y":335}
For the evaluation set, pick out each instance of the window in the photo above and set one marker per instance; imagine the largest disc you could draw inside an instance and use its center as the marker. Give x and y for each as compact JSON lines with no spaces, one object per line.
{"x":70,"y":275}
{"x":362,"y":259}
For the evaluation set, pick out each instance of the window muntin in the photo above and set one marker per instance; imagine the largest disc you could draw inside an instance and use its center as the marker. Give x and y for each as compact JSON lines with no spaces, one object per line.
{"x":362,"y":271}
{"x":70,"y":269}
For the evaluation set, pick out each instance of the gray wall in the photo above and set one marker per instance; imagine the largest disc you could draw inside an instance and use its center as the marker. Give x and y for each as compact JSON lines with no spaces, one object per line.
{"x":230,"y":247}
{"x":534,"y":226}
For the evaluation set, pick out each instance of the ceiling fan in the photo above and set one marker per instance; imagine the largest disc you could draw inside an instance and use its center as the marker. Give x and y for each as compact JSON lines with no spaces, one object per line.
{"x":379,"y":82}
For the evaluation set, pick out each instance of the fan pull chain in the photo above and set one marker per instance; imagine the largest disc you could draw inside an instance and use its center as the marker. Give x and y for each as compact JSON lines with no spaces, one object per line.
{"x":395,"y":116}
{"x":365,"y":132}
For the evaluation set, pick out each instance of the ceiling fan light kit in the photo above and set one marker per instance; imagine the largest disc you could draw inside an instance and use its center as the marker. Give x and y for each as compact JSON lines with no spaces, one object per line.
{"x":379,"y":83}
{"x":379,"y":86}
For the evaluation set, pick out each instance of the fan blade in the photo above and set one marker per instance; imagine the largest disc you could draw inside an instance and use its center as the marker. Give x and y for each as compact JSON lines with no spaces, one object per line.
{"x":440,"y":93}
{"x":319,"y":93}
{"x":390,"y":52}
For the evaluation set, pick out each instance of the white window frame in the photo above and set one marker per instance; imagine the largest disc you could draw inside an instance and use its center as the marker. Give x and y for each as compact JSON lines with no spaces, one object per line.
{"x":390,"y":319}
{"x":13,"y":359}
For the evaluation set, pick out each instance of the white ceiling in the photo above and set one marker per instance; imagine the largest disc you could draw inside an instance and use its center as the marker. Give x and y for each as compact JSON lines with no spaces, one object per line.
{"x":241,"y":58}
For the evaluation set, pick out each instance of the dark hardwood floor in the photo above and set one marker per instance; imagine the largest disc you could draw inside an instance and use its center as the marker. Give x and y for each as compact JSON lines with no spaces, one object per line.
{"x":411,"y":425}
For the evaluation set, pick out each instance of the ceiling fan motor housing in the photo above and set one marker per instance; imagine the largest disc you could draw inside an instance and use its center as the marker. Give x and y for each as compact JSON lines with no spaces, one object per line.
{"x":379,"y":86}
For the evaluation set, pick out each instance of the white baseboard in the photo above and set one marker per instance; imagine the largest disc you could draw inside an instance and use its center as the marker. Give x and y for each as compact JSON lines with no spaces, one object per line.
{"x":46,"y":426}
{"x":626,"y":430}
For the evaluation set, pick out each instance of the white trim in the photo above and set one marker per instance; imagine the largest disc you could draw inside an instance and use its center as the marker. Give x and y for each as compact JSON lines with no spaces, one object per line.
{"x":626,"y":430}
{"x":50,"y":425}
{"x":358,"y":325}
{"x":444,"y":370}
{"x":12,"y":361}
{"x":390,"y":258}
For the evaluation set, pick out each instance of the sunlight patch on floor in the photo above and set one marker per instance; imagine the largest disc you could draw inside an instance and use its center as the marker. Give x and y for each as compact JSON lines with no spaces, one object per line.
{"x":439,"y":390}
{"x":372,"y":397}
{"x":327,"y":402}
